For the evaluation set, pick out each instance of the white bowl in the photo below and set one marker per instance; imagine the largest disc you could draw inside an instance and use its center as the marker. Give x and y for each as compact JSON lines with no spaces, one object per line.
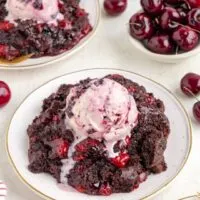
{"x":93,"y":8}
{"x":175,"y":58}
{"x":176,"y":154}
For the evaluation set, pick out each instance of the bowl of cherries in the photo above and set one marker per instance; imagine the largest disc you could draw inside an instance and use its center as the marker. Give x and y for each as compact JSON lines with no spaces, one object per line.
{"x":166,"y":30}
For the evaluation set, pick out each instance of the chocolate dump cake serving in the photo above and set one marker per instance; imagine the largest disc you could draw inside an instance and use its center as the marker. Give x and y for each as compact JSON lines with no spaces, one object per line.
{"x":100,"y":136}
{"x":40,"y":27}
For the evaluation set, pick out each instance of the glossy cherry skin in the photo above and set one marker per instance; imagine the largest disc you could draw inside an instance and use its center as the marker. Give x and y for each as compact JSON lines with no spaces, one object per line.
{"x":169,"y":19}
{"x":152,"y":6}
{"x":194,"y":3}
{"x":190,"y":84}
{"x":196,"y":111}
{"x":141,"y":26}
{"x":186,"y":38}
{"x":5,"y":94}
{"x":115,"y":7}
{"x":193,"y":18}
{"x":160,"y":44}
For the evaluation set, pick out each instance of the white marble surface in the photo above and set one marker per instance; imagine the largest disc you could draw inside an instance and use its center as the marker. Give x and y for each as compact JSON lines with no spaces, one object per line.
{"x":110,"y":48}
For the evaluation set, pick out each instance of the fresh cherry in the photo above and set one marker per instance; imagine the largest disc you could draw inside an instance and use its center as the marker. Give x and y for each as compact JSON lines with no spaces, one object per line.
{"x":160,"y":44}
{"x":141,"y":26}
{"x":186,"y":38}
{"x":152,"y":6}
{"x":193,"y":18}
{"x":5,"y":94}
{"x":190,"y":84}
{"x":194,"y":3}
{"x":196,"y":111}
{"x":170,"y":19}
{"x":115,"y":7}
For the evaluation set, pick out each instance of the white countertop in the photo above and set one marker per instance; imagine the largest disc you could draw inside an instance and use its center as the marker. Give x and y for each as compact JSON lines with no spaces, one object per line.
{"x":110,"y":48}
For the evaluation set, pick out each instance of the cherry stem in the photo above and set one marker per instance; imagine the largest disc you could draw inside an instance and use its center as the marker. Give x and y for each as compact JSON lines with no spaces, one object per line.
{"x":139,"y":25}
{"x":188,"y":90}
{"x":177,"y":48}
{"x":186,"y":26}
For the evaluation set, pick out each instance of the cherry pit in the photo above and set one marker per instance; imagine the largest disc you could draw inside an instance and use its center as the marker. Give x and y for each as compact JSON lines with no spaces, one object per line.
{"x":167,"y":26}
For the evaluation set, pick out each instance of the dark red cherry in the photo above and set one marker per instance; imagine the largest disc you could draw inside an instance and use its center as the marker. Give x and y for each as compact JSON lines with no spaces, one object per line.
{"x":190,"y":84}
{"x":115,"y":7}
{"x":173,"y":1}
{"x":160,"y":44}
{"x":194,"y":3}
{"x":196,"y":111}
{"x":170,"y":19}
{"x":141,"y":26}
{"x":152,"y":6}
{"x":186,"y":38}
{"x":193,"y":18}
{"x":5,"y":94}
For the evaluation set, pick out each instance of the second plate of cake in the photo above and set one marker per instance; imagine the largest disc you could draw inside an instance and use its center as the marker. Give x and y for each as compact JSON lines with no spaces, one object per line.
{"x":99,"y":134}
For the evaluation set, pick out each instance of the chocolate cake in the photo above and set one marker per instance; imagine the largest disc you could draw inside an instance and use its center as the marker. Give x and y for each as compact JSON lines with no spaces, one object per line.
{"x":21,"y":37}
{"x":93,"y":170}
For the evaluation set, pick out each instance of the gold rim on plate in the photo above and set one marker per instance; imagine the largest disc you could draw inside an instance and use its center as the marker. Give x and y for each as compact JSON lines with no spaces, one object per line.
{"x":144,"y":198}
{"x":8,"y":66}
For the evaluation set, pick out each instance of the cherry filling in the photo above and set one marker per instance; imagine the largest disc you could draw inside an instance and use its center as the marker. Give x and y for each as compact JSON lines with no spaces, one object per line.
{"x":121,"y":160}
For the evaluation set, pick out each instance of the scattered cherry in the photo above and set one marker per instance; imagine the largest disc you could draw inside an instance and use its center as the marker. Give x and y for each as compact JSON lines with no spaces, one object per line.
{"x":169,"y":19}
{"x":115,"y":7}
{"x":196,"y":111}
{"x":152,"y":6}
{"x":5,"y":94}
{"x":160,"y":44}
{"x":190,"y":84}
{"x":186,"y":38}
{"x":193,"y":18}
{"x":141,"y":26}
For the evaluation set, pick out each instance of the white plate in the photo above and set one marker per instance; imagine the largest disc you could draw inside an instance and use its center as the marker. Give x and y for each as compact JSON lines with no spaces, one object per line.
{"x":177,"y":152}
{"x":93,"y":8}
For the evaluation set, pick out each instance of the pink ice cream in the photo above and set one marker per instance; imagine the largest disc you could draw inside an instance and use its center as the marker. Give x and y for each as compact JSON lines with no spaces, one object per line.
{"x":24,"y":9}
{"x":104,"y":111}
